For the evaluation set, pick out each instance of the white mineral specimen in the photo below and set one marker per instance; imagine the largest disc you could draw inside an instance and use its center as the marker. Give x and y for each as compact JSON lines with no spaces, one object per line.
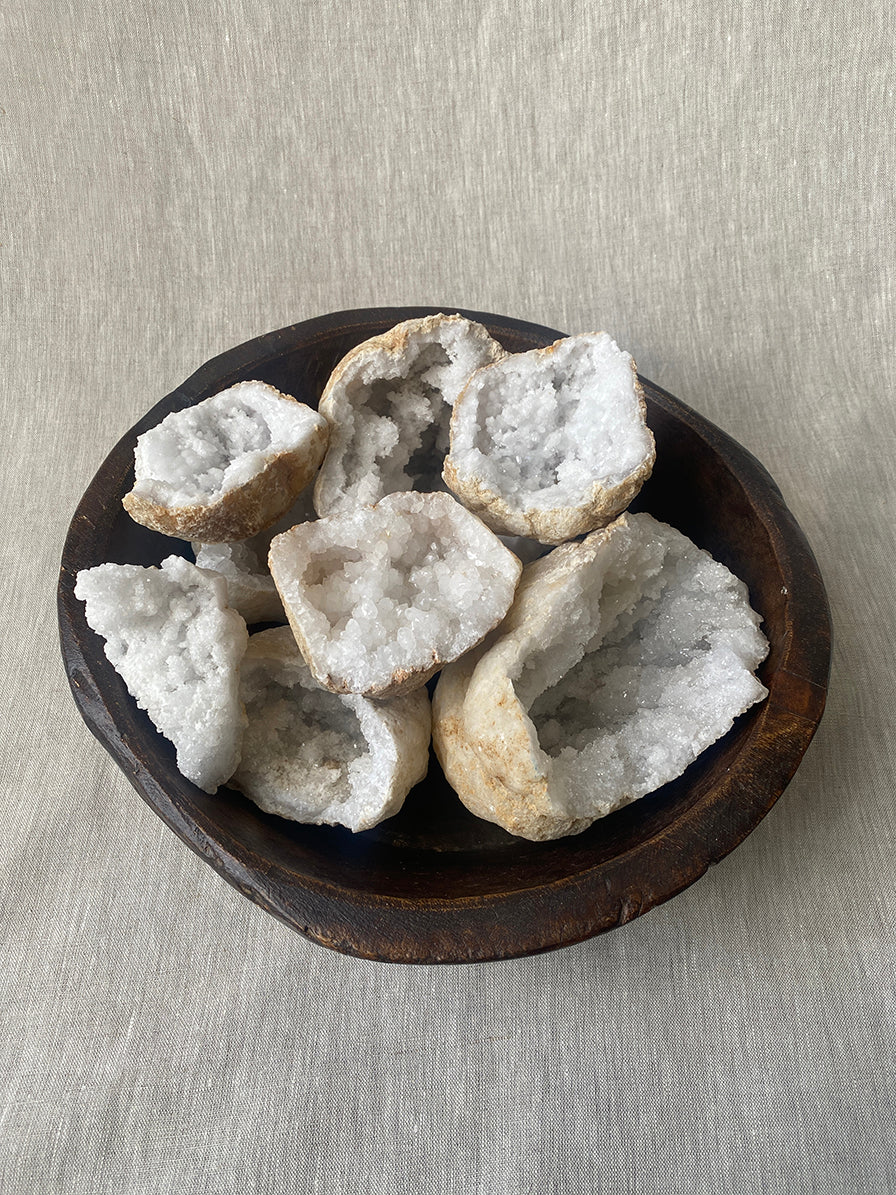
{"x":244,"y":566}
{"x":623,"y":657}
{"x":228,"y":467}
{"x":250,"y":587}
{"x":388,"y":403}
{"x":552,"y":443}
{"x":381,"y":597}
{"x":321,"y":757}
{"x":176,"y":645}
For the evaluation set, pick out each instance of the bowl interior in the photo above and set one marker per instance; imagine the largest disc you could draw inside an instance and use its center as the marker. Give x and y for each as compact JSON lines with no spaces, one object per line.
{"x":434,"y":854}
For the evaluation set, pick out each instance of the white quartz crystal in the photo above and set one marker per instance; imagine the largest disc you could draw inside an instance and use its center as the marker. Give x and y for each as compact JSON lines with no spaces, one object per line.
{"x":321,"y":757}
{"x":624,"y":657}
{"x":381,"y":597}
{"x":195,"y":455}
{"x":250,"y":588}
{"x":389,"y":403}
{"x":551,"y":443}
{"x":244,"y":566}
{"x":171,"y":637}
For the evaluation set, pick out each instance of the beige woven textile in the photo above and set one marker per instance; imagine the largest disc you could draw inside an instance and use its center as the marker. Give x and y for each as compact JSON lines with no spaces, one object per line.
{"x":710,"y":182}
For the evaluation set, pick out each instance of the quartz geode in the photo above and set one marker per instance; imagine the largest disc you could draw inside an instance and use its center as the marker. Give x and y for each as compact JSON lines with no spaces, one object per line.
{"x":622,"y":658}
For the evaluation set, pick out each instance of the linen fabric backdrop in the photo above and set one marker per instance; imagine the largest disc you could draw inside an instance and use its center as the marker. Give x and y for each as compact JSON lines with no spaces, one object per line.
{"x":712,"y":184}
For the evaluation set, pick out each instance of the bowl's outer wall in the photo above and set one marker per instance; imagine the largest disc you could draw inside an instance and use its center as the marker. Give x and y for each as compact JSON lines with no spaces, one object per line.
{"x":435,"y":884}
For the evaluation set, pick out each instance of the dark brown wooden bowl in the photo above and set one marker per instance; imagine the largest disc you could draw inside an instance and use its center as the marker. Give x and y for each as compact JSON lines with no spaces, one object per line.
{"x":434,"y":884}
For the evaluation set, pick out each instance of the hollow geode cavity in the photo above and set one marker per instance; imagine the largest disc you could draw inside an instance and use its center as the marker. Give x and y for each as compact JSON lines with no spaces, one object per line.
{"x":552,"y":443}
{"x":622,"y":658}
{"x":380,"y":598}
{"x":321,"y":757}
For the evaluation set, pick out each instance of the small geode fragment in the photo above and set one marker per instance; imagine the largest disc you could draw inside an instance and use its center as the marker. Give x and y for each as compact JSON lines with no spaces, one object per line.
{"x":177,"y":647}
{"x":244,"y":565}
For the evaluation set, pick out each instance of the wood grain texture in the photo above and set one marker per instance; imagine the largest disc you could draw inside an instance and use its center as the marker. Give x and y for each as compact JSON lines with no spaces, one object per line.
{"x":435,"y":884}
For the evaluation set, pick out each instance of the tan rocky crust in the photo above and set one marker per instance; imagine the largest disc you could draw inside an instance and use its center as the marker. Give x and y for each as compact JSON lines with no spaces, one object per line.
{"x":622,"y":658}
{"x":319,"y":757}
{"x":536,"y":399}
{"x":232,"y":495}
{"x":388,"y":403}
{"x":380,"y":598}
{"x":491,"y":779}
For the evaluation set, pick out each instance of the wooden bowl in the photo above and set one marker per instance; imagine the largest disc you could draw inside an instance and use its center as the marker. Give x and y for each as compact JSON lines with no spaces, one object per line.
{"x":434,"y":884}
